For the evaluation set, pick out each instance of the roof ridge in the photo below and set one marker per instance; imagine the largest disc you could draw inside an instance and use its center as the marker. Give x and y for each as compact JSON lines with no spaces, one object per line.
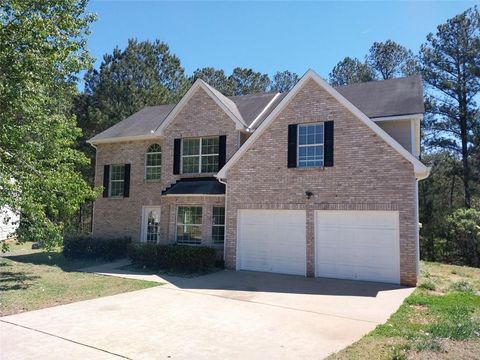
{"x":380,"y":80}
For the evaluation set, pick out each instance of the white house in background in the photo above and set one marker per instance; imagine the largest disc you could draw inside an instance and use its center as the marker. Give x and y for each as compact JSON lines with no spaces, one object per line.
{"x":9,"y":220}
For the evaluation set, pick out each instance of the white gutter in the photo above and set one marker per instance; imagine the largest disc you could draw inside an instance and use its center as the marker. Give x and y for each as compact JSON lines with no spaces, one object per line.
{"x":398,"y":117}
{"x":123,"y":139}
{"x":225,"y":225}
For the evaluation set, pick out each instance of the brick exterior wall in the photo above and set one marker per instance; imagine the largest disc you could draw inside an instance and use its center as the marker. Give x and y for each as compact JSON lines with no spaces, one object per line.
{"x":367,"y":174}
{"x":115,"y":217}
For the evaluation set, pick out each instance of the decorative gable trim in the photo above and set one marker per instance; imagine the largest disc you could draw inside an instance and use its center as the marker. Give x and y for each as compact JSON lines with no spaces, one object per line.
{"x":226,"y":104}
{"x":421,"y":171}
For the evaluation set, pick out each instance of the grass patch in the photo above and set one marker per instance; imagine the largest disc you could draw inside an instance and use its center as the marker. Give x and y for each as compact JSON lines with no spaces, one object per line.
{"x":33,"y":279}
{"x":441,"y":319}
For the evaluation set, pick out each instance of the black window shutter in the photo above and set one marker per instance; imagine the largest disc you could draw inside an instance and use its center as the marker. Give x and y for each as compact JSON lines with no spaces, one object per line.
{"x":328,"y":146}
{"x":106,"y":178}
{"x":126,"y":181}
{"x":177,"y":146}
{"x":222,"y":151}
{"x":292,"y":145}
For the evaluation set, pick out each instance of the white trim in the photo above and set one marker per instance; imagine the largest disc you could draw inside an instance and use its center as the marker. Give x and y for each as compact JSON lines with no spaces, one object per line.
{"x":153,"y":166}
{"x":142,"y":227}
{"x":421,"y":171}
{"x":201,"y":224}
{"x":200,"y":84}
{"x":123,"y":139}
{"x":250,"y":127}
{"x":398,"y":117}
{"x":199,"y":155}
{"x":412,"y":139}
{"x":110,"y":168}
{"x":310,"y":145}
{"x":213,"y":225}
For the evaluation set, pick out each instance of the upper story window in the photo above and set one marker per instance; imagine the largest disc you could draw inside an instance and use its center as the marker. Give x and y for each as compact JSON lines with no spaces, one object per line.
{"x":153,"y":162}
{"x":116,"y":180}
{"x":310,"y":145}
{"x":200,"y":155}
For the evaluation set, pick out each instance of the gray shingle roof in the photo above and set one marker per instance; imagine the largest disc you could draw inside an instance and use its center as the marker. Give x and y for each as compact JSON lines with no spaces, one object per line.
{"x":143,"y":122}
{"x":394,"y":97}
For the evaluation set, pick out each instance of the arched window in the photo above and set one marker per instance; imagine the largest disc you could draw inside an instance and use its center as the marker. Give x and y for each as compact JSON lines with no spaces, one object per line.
{"x":153,"y":162}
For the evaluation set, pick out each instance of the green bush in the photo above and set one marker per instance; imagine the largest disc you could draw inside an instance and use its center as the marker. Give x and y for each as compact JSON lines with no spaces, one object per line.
{"x":172,"y":257}
{"x":87,"y":247}
{"x":427,"y":285}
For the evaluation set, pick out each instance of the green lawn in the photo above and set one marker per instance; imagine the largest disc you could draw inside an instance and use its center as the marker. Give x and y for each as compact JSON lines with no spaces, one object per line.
{"x":33,"y":279}
{"x":440,"y":320}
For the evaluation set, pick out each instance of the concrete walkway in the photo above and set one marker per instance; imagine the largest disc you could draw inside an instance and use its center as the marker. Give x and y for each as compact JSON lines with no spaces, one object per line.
{"x":223,"y":315}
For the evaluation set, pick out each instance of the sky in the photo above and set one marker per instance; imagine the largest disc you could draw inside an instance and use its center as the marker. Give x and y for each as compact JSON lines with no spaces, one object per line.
{"x":267,"y":36}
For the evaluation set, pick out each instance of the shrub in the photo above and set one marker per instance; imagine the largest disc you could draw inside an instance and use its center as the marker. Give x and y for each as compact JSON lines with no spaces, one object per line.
{"x":87,"y":247}
{"x":427,"y":285}
{"x":172,"y":257}
{"x":462,"y":286}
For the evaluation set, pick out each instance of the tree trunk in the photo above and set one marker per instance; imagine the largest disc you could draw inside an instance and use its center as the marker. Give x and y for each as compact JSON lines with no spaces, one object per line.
{"x":464,"y":140}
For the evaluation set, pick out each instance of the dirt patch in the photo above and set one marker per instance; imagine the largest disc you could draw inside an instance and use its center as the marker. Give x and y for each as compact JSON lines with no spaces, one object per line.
{"x":450,"y":349}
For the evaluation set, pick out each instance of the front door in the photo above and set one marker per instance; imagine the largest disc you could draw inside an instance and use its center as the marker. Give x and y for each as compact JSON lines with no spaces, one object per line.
{"x":151,"y":224}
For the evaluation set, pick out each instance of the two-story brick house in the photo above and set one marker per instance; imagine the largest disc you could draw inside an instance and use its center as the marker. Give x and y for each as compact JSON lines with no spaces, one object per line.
{"x":319,"y":181}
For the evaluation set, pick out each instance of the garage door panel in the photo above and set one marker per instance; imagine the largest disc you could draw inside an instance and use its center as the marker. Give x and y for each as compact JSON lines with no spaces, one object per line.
{"x":360,"y":245}
{"x":272,"y":240}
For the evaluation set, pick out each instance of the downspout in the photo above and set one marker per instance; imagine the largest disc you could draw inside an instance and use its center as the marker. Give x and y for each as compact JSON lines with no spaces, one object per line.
{"x":226,"y":190}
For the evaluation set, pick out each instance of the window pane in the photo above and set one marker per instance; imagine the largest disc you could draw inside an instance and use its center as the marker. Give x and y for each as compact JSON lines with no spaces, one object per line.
{"x":210,"y":146}
{"x":310,"y":145}
{"x":189,"y":234}
{"x":189,"y":215}
{"x":153,"y":173}
{"x":116,"y":188}
{"x":191,"y":147}
{"x":154,"y":159}
{"x":117,"y":172}
{"x":218,"y":235}
{"x":218,"y":215}
{"x":190,"y":164}
{"x":209,"y":163}
{"x":310,"y":134}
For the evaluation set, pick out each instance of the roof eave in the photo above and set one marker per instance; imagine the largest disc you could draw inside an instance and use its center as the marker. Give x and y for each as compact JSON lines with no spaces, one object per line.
{"x":115,"y":139}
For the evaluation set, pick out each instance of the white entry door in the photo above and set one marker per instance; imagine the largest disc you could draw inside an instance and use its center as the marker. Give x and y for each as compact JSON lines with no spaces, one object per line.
{"x":272,"y":241}
{"x":359,"y":245}
{"x":151,"y":224}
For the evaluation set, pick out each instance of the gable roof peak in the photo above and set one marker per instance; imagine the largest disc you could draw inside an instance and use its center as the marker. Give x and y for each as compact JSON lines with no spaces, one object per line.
{"x":420,"y":170}
{"x":221,"y":100}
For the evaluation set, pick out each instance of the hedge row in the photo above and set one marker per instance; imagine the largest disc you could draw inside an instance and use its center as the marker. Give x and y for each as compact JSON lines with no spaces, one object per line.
{"x":87,"y":247}
{"x":172,"y":257}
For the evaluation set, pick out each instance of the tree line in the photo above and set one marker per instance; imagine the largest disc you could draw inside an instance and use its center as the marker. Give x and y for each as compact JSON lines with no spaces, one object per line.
{"x":45,"y":120}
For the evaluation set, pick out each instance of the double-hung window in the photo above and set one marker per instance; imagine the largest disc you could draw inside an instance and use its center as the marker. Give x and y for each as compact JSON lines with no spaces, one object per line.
{"x":153,"y":162}
{"x":310,"y":145}
{"x":218,"y":225}
{"x":200,"y":155}
{"x":116,"y":180}
{"x":189,"y":225}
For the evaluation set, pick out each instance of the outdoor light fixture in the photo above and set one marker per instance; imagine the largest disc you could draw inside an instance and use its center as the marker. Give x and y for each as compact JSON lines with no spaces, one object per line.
{"x":308,"y":194}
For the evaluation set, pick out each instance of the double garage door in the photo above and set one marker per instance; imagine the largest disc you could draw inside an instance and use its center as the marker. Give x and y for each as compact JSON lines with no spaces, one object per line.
{"x":360,"y":245}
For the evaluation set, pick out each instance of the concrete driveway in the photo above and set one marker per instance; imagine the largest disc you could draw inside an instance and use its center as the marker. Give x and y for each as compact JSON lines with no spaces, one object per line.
{"x":224,"y":315}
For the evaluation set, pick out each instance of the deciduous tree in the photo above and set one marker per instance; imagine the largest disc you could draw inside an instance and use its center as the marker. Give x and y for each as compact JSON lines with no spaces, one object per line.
{"x":42,"y":48}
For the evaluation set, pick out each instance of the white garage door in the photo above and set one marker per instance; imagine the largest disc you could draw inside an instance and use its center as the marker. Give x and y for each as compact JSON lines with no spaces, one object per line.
{"x":360,"y":245}
{"x":272,"y":241}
